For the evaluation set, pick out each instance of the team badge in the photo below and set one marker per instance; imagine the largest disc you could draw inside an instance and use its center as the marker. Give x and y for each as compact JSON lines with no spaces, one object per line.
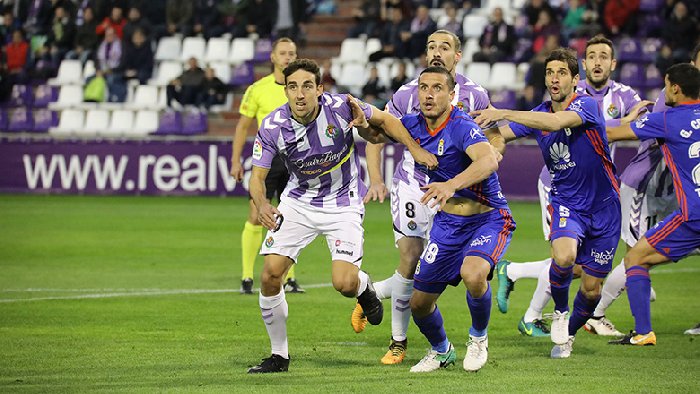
{"x":460,"y":105}
{"x":441,"y":147}
{"x":412,"y":225}
{"x":257,"y":150}
{"x":562,"y":222}
{"x":331,"y":131}
{"x":269,"y":242}
{"x":613,"y":111}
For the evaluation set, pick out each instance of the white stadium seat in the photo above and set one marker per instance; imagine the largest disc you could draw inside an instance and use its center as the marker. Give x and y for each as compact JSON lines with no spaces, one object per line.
{"x":217,"y":49}
{"x":242,"y":49}
{"x":146,"y":122}
{"x":70,"y":96}
{"x":165,"y":72}
{"x":479,"y":73}
{"x":353,"y":50}
{"x":503,"y":75}
{"x":69,"y":72}
{"x":145,"y":97}
{"x":473,"y":25}
{"x":193,"y":47}
{"x":122,"y":122}
{"x":70,"y":121}
{"x":353,"y":75}
{"x":168,"y":49}
{"x":96,"y":121}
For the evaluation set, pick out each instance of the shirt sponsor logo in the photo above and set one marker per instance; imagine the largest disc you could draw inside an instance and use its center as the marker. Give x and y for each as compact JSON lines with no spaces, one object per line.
{"x":345,"y":252}
{"x":482,"y":240}
{"x":641,"y":122}
{"x":324,"y":160}
{"x":257,"y":150}
{"x":475,"y":133}
{"x":576,"y":106}
{"x":604,"y":257}
{"x":561,"y":158}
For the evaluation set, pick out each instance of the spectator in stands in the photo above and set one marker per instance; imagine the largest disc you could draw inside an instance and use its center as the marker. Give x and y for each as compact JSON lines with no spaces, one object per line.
{"x":392,"y":43}
{"x":79,"y":11}
{"x":85,"y":38}
{"x":16,"y":55}
{"x":535,"y":76}
{"x":206,"y":19}
{"x":407,"y":7}
{"x":184,"y":89}
{"x":109,"y":56}
{"x":452,"y":23}
{"x":61,"y":35}
{"x":290,"y":16}
{"x":374,"y":92}
{"x":136,"y":21}
{"x":367,"y":17}
{"x":401,"y":78}
{"x":664,"y":59}
{"x":497,"y":41}
{"x":103,"y":8}
{"x":8,"y":26}
{"x":533,"y":9}
{"x":573,"y":20}
{"x":36,"y":16}
{"x":618,"y":17}
{"x":154,"y":12}
{"x":545,"y":27}
{"x":681,"y":32}
{"x":44,"y":64}
{"x":527,"y":99}
{"x":422,"y":26}
{"x":212,"y":91}
{"x":137,"y":60}
{"x":178,"y":17}
{"x":115,"y":22}
{"x":259,"y":19}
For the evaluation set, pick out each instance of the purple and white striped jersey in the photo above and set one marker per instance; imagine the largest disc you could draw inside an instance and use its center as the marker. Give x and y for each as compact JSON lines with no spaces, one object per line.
{"x":614,"y":99}
{"x":469,"y":96}
{"x":323,"y":163}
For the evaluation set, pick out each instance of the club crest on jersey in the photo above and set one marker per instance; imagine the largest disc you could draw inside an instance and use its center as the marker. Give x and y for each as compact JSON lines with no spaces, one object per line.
{"x":269,"y":242}
{"x":441,"y":147}
{"x":257,"y":150}
{"x":412,"y":225}
{"x":331,"y":131}
{"x":460,"y":105}
{"x":613,"y":111}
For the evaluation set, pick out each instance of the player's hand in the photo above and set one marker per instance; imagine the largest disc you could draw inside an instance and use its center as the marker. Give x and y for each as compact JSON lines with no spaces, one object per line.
{"x":376,"y":191}
{"x":267,"y":215}
{"x":498,"y":154}
{"x":439,"y":192}
{"x":422,"y":156}
{"x":237,"y":171}
{"x":486,"y":117}
{"x":358,"y":115}
{"x":634,"y":112}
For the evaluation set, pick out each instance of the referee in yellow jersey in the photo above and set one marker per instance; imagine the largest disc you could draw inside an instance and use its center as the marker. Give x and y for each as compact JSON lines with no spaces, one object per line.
{"x":259,"y":100}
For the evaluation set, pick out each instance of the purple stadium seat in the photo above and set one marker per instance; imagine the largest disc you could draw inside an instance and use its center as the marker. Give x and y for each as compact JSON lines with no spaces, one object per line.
{"x":632,"y":74}
{"x":20,"y":120}
{"x":44,"y":119}
{"x":263,"y":49}
{"x":649,"y":24}
{"x":628,"y":50}
{"x":194,"y":122}
{"x":43,"y":95}
{"x":503,"y":99}
{"x":21,"y":96}
{"x":170,"y":123}
{"x":243,"y":74}
{"x":650,"y":48}
{"x":653,"y":77}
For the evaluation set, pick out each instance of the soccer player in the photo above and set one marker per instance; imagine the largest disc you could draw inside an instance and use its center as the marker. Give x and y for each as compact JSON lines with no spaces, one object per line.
{"x":411,"y":219}
{"x":585,"y":204}
{"x":472,"y":228}
{"x":619,"y":102}
{"x":313,"y":134}
{"x":259,"y":100}
{"x":678,"y":132}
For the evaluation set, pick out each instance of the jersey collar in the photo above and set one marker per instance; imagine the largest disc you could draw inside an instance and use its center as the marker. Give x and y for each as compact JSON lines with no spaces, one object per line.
{"x":433,"y":133}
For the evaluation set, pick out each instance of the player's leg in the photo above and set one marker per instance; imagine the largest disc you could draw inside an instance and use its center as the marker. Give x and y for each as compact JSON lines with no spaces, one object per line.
{"x":564,"y":252}
{"x":251,"y":238}
{"x":532,"y":324}
{"x":429,"y":321}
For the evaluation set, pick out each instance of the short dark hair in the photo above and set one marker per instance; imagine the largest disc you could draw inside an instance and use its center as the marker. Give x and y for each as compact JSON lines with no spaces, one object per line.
{"x":303,"y":64}
{"x":456,"y":41}
{"x":694,"y":54}
{"x":440,"y":70}
{"x":687,"y":77}
{"x":601,"y":39}
{"x":281,"y":39}
{"x":565,"y":55}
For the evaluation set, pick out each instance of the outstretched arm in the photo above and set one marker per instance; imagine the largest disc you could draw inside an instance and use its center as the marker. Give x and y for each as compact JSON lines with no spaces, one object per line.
{"x":536,"y":120}
{"x":620,"y":133}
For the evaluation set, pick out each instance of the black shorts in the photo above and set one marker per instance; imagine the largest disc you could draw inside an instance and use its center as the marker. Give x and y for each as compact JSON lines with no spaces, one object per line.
{"x":276,"y":179}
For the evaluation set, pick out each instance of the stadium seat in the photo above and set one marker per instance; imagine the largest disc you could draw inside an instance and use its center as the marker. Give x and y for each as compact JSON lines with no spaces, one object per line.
{"x":473,"y":25}
{"x":628,"y":50}
{"x":384,"y":72}
{"x":504,"y":4}
{"x":70,"y":121}
{"x":503,"y":76}
{"x":145,"y":97}
{"x":242,"y":50}
{"x":96,"y":122}
{"x":194,"y":122}
{"x":69,"y":72}
{"x":44,"y":119}
{"x":146,"y":122}
{"x":410,"y":69}
{"x":20,"y":120}
{"x":504,"y":99}
{"x":193,"y":47}
{"x":70,"y":96}
{"x":242,"y":74}
{"x":353,"y":76}
{"x":21,"y":96}
{"x":373,"y":45}
{"x":650,"y":49}
{"x":217,"y":49}
{"x":653,"y":77}
{"x":165,"y":72}
{"x":168,"y":49}
{"x":352,"y":50}
{"x":479,"y":73}
{"x":263,"y":49}
{"x":471,"y":46}
{"x":631,"y":74}
{"x":222,"y":71}
{"x":170,"y":123}
{"x":226,"y":106}
{"x":43,"y":95}
{"x":89,"y":69}
{"x":121,"y":123}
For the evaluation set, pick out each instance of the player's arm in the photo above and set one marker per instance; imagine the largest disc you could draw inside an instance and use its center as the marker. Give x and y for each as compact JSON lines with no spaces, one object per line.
{"x":484,"y":163}
{"x":377,"y":189}
{"x":533,"y":119}
{"x":620,"y":133}
{"x":238,"y":142}
{"x":266,"y":212}
{"x":636,"y":111}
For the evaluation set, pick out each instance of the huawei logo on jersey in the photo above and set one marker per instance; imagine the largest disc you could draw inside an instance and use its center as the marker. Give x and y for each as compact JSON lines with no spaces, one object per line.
{"x":561,"y":158}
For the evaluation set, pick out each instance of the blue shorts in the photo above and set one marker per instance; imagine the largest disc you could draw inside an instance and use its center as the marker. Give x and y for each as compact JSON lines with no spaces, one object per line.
{"x":675,"y":237}
{"x":454,"y":237}
{"x":598,"y":234}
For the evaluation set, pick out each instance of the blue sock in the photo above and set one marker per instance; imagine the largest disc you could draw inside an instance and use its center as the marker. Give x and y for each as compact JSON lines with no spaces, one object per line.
{"x":434,"y":330}
{"x":480,"y":309}
{"x":559,"y":281}
{"x":638,"y":290}
{"x":583,"y":310}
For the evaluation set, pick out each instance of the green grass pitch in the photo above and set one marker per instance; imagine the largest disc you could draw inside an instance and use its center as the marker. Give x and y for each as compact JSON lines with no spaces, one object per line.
{"x":140,"y":294}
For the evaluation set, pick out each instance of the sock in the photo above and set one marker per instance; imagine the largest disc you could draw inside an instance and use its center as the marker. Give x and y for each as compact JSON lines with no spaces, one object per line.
{"x":540,"y":298}
{"x":251,"y":239}
{"x":384,"y":288}
{"x":583,"y":310}
{"x":638,"y":289}
{"x":363,"y":279}
{"x":527,"y":270}
{"x":274,"y":313}
{"x":290,"y":273}
{"x":612,"y":289}
{"x":480,"y":309}
{"x":433,"y":329}
{"x":400,"y":308}
{"x":559,"y":280}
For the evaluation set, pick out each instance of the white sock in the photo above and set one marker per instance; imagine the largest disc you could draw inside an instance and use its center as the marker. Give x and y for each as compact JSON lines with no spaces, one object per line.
{"x":384,"y":288}
{"x":274,"y":311}
{"x":530,"y":270}
{"x":400,"y":309}
{"x":540,"y":298}
{"x":612,"y":289}
{"x":363,"y":279}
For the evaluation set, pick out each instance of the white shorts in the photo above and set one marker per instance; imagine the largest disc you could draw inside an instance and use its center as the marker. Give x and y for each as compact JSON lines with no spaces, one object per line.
{"x":411,"y":218}
{"x":544,"y":191}
{"x":642,"y":209}
{"x":302,"y":224}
